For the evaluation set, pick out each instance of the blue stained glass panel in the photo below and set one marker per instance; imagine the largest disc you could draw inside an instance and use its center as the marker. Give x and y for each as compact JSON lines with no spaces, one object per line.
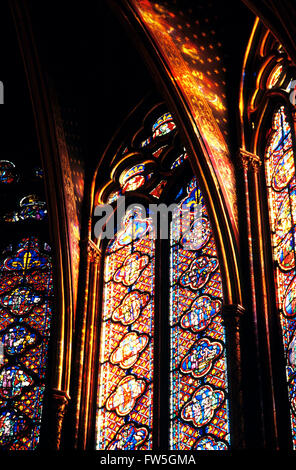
{"x":26,"y":297}
{"x":199,"y":417}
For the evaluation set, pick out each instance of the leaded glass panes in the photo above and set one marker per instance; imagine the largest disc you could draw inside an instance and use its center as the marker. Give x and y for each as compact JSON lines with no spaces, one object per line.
{"x":190,"y":317}
{"x":274,"y":76}
{"x":163,"y":125}
{"x":198,"y":377}
{"x":25,"y":315}
{"x":7,"y":172}
{"x":26,"y":297}
{"x":125,"y":396}
{"x":30,"y":208}
{"x":281,"y":186}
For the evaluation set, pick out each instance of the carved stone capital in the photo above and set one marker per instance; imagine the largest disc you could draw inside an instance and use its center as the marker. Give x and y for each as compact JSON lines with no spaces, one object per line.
{"x":233,"y":313}
{"x":249,"y":160}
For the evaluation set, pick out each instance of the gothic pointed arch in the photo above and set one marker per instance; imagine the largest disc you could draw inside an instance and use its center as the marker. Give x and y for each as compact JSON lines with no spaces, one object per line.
{"x":268,"y":143}
{"x":198,"y":109}
{"x":53,"y":172}
{"x":125,"y":303}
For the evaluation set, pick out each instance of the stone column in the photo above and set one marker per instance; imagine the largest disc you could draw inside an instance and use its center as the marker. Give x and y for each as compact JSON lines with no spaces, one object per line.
{"x":58,"y":407}
{"x":232,"y":315}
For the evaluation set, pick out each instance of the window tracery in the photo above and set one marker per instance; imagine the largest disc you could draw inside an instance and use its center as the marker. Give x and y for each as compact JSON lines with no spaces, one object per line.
{"x":198,"y":391}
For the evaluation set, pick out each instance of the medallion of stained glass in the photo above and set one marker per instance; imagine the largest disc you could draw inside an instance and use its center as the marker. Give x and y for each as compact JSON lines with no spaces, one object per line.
{"x":133,"y":178}
{"x":163,"y":125}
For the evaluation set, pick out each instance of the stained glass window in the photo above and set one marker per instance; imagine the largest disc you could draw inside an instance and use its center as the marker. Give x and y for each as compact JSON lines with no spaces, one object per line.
{"x":146,"y":142}
{"x":274,"y":76}
{"x":281,"y":186}
{"x":26,"y":296}
{"x":113,"y":197}
{"x":156,"y":192}
{"x":30,"y":208}
{"x":38,"y":172}
{"x":125,"y":398}
{"x":25,"y":315}
{"x":198,"y":381}
{"x":7,"y":172}
{"x":195,"y":363}
{"x":179,"y":160}
{"x":163,"y":125}
{"x":133,"y":178}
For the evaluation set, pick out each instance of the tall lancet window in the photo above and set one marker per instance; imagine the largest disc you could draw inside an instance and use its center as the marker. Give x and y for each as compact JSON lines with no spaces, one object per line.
{"x":26,"y":296}
{"x":198,"y":383}
{"x":125,"y":402}
{"x":162,"y":358}
{"x":281,"y":184}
